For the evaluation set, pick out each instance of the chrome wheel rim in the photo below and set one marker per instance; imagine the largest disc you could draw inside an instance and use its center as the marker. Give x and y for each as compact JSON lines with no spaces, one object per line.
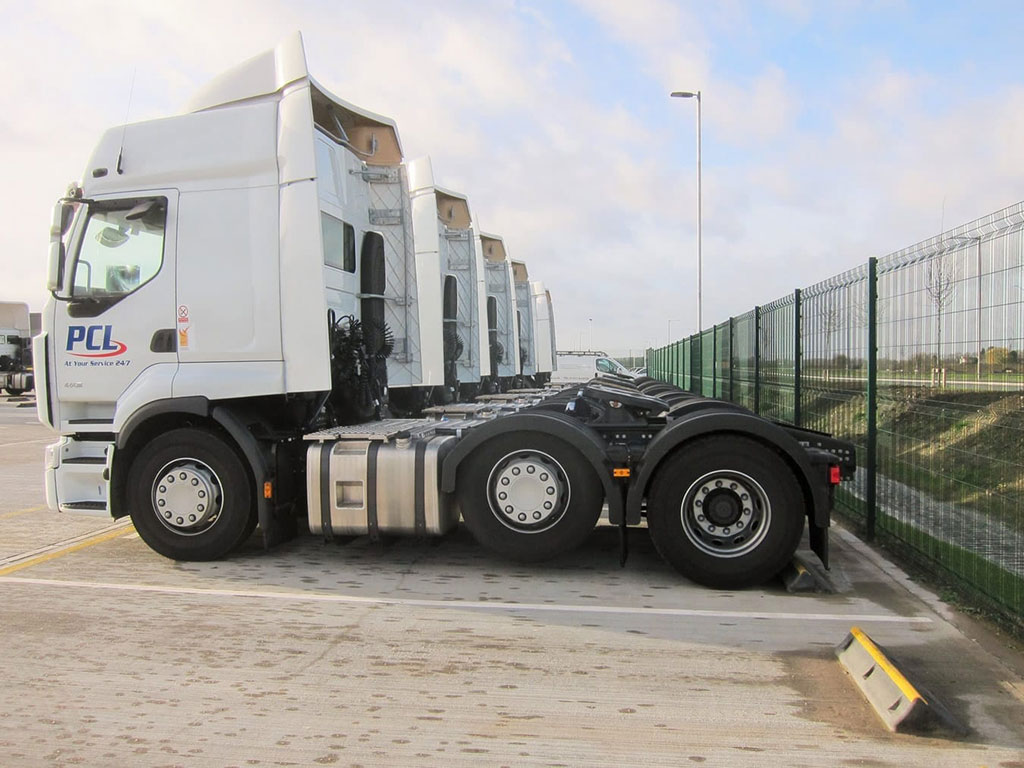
{"x":726,"y":513}
{"x":187,"y":496}
{"x":528,"y":491}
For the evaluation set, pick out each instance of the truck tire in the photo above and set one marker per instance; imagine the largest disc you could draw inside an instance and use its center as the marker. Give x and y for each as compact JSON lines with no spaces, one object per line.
{"x":726,"y":512}
{"x":529,"y":496}
{"x":13,"y":391}
{"x":190,"y":495}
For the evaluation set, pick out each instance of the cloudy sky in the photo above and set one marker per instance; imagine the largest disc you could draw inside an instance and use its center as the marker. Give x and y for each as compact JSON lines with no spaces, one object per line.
{"x":833,"y":131}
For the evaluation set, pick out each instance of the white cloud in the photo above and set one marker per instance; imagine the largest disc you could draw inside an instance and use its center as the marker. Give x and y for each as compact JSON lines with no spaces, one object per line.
{"x":596,"y":190}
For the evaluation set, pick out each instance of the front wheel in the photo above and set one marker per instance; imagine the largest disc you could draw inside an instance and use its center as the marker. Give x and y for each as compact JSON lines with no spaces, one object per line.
{"x":190,"y":495}
{"x":726,"y":512}
{"x":529,"y":496}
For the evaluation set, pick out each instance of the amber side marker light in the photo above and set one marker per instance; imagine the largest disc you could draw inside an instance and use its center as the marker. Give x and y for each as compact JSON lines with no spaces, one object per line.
{"x":268,"y":490}
{"x":620,"y":472}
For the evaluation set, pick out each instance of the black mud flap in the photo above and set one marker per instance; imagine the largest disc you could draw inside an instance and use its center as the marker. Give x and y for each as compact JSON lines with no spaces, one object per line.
{"x":819,"y":542}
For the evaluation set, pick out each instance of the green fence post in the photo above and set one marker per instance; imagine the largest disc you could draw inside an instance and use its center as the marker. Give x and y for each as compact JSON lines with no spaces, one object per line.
{"x":732,"y":397}
{"x":757,"y":360}
{"x":714,"y":361}
{"x":797,"y":304}
{"x":872,"y":446}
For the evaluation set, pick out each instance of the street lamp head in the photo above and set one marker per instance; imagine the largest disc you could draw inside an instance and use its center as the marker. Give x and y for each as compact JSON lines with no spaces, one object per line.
{"x":685,"y":94}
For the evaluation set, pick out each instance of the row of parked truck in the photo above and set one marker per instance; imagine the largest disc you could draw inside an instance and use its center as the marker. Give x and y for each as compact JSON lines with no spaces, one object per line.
{"x":16,"y":374}
{"x":262,"y":315}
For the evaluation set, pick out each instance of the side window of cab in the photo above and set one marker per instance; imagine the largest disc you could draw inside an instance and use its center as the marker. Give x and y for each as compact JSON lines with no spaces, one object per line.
{"x":121,"y":249}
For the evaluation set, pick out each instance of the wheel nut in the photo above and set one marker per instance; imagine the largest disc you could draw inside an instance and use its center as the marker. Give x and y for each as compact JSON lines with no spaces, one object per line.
{"x":551,"y":490}
{"x":180,"y":520}
{"x":161,"y":502}
{"x":192,"y":519}
{"x":733,"y":486}
{"x":502,"y":495}
{"x":700,"y":518}
{"x":167,"y":515}
{"x":725,"y":530}
{"x":711,"y":528}
{"x":194,"y":481}
{"x":698,"y":503}
{"x":530,"y":469}
{"x":516,"y":470}
{"x":508,"y":510}
{"x":536,"y":515}
{"x":170,"y":478}
{"x":200,"y":508}
{"x":547,"y":505}
{"x":746,"y":511}
{"x":201,"y":494}
{"x":744,"y":496}
{"x":182,"y":476}
{"x":543,"y":477}
{"x":163,"y":489}
{"x":522,"y":517}
{"x":718,"y":483}
{"x":739,"y":523}
{"x":505,"y":481}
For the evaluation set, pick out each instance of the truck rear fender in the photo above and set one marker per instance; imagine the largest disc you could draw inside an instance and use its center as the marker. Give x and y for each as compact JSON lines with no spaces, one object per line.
{"x":709,"y":422}
{"x":565,"y":428}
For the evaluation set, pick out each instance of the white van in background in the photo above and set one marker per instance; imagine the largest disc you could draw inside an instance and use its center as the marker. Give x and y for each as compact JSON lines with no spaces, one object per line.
{"x":583,"y":366}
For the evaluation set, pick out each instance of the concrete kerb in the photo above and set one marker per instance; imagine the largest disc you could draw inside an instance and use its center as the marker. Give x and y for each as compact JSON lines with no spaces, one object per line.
{"x":903,"y":706}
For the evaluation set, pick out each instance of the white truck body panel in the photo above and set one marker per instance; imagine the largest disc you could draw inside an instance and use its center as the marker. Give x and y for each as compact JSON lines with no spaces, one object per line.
{"x":500,"y":288}
{"x":14,"y":316}
{"x":445,"y":244}
{"x":542,"y":333}
{"x":247,"y":176}
{"x":524,"y":319}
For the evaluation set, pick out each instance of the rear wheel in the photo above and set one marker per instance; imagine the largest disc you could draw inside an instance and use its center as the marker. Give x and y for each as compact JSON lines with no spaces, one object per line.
{"x":190,"y":495}
{"x":529,"y":496}
{"x":726,"y":512}
{"x":14,"y":391}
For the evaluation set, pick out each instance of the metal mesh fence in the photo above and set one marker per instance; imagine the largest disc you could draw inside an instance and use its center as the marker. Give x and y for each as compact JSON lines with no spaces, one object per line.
{"x":918,"y":359}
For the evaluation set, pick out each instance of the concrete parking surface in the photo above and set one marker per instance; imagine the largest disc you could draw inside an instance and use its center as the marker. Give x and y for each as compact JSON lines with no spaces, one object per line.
{"x":435,"y":653}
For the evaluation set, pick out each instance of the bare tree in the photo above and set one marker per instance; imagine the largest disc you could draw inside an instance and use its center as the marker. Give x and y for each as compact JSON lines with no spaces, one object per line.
{"x":941,"y":280}
{"x":830,"y":316}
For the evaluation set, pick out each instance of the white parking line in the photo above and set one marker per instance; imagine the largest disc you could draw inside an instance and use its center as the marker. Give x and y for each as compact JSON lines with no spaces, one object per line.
{"x":465,"y":604}
{"x":24,"y":442}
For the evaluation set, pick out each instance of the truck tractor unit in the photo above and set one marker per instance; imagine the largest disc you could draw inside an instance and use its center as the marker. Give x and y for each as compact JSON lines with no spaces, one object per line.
{"x":229,"y":314}
{"x":502,"y":328}
{"x":543,"y":332}
{"x":16,"y":375}
{"x":524,"y":323}
{"x":445,"y":247}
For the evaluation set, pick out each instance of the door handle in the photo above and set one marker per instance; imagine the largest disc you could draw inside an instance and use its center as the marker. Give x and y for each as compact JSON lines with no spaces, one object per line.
{"x":164,"y":340}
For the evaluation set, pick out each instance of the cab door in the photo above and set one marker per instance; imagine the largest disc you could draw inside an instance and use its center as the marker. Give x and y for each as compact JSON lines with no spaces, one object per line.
{"x":116,"y":327}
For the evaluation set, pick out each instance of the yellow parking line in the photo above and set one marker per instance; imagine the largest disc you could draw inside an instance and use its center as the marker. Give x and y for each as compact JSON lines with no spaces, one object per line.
{"x":17,"y":512}
{"x":99,"y":538}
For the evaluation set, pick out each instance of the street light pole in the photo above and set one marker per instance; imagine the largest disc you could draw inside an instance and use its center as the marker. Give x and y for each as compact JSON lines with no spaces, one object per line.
{"x":591,"y":334}
{"x":700,"y":222}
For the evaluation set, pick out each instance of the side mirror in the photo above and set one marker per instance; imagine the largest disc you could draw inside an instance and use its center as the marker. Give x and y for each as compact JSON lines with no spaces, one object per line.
{"x":63,"y":213}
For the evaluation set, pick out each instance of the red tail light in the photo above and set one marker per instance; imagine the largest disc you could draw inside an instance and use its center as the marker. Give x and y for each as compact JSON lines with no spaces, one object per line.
{"x":834,"y":476}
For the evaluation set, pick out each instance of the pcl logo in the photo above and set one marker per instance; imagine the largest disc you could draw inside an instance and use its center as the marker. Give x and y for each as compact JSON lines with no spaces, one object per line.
{"x":95,"y":339}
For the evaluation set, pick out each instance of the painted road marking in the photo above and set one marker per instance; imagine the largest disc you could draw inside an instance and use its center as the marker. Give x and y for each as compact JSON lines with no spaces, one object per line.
{"x":61,"y":548}
{"x":17,"y":512}
{"x":465,"y":604}
{"x":24,"y":442}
